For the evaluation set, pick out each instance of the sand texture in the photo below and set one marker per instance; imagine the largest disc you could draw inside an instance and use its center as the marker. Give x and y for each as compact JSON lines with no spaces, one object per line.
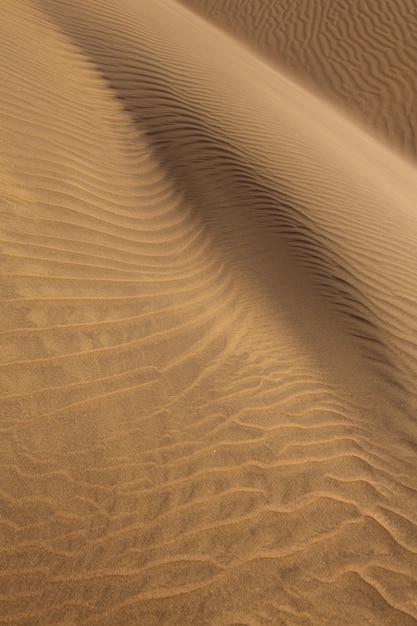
{"x":360,"y":53}
{"x":208,"y":317}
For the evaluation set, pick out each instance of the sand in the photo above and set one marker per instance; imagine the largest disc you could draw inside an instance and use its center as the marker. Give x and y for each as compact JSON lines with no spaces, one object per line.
{"x":361,"y":54}
{"x":208,"y":319}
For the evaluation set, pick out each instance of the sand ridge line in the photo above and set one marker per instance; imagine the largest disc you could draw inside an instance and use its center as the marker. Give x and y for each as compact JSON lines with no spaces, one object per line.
{"x":133,"y":458}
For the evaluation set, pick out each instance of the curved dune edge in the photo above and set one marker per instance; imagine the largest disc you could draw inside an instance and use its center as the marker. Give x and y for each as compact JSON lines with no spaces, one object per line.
{"x":208,"y":330}
{"x":361,"y":54}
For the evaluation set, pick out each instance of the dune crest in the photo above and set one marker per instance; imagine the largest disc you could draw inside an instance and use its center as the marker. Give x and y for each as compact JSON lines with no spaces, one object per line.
{"x":361,"y":54}
{"x":208,"y":331}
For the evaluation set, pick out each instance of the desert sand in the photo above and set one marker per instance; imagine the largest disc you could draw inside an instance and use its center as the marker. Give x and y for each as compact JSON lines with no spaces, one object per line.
{"x":361,"y":54}
{"x":208,"y":315}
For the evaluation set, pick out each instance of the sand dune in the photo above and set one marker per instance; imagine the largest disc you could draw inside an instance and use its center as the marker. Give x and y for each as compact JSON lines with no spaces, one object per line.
{"x":208,"y":329}
{"x":362,"y":54}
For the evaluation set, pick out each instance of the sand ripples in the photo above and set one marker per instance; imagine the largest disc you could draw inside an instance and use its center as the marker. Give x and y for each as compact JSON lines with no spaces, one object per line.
{"x":208,"y":334}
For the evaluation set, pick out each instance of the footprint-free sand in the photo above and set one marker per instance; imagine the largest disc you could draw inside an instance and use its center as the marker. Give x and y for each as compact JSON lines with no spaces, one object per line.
{"x":208,"y":313}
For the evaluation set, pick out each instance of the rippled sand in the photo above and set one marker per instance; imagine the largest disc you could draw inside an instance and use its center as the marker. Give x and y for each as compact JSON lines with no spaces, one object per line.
{"x":208,"y":315}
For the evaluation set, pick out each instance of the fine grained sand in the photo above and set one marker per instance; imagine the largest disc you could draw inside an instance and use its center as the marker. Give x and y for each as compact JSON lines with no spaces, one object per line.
{"x":208,"y":331}
{"x":360,"y":53}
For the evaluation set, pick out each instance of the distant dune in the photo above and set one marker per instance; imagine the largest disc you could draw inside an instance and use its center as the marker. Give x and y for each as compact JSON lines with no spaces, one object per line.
{"x":360,"y":53}
{"x":208,"y":317}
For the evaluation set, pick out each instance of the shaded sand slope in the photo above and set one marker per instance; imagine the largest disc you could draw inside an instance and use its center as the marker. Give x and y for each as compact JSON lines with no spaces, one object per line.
{"x":362,"y":54}
{"x":208,"y":328}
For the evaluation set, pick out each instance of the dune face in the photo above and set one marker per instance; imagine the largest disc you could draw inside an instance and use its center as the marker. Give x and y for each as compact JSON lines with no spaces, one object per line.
{"x":208,"y":329}
{"x":362,"y":54}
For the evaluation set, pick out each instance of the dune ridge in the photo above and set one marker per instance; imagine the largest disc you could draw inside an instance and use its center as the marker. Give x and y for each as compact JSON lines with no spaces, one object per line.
{"x":208,"y":334}
{"x":362,"y":54}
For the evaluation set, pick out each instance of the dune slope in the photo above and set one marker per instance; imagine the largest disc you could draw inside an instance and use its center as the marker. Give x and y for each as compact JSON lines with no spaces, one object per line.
{"x":208,"y":333}
{"x":361,"y":54}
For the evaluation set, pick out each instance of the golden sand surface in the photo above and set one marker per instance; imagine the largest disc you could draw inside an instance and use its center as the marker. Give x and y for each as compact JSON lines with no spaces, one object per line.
{"x":361,"y":54}
{"x":208,"y":314}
